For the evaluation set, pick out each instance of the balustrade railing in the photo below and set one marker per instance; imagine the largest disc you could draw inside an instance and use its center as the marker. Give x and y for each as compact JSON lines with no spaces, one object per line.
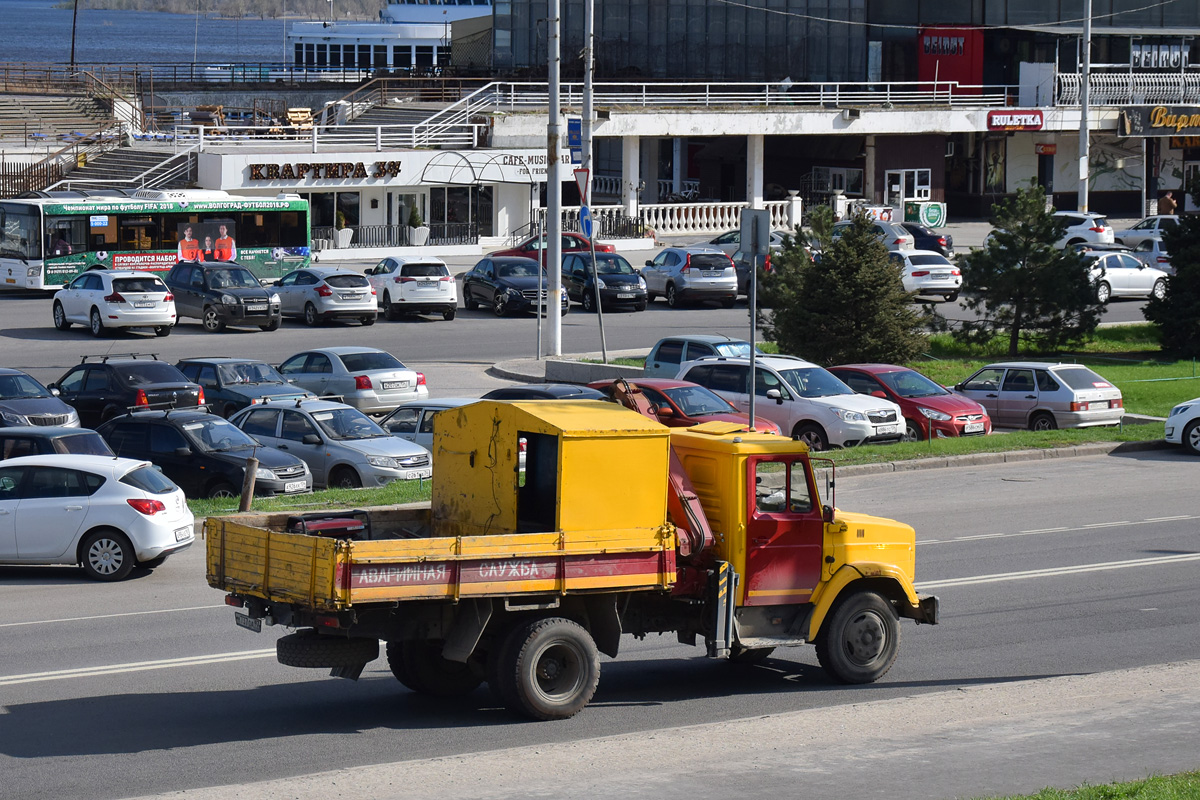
{"x":1129,"y":88}
{"x":440,"y":233}
{"x":668,"y":219}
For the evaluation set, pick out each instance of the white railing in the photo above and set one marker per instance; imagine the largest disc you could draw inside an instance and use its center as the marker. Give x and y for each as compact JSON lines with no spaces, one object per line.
{"x":669,"y":219}
{"x":1125,"y":89}
{"x":331,"y":138}
{"x":608,"y":185}
{"x":688,"y":189}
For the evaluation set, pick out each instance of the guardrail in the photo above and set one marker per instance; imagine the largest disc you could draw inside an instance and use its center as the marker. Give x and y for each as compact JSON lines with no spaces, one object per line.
{"x":1125,"y":89}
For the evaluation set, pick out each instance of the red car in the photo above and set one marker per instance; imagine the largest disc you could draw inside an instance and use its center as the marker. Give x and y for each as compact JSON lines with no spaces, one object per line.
{"x":923,"y":402}
{"x":571,"y":243}
{"x":681,"y":404}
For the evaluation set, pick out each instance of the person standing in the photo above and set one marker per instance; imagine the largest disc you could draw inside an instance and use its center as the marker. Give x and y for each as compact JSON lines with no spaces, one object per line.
{"x":1167,"y":204}
{"x":225,"y":248}
{"x":189,"y":248}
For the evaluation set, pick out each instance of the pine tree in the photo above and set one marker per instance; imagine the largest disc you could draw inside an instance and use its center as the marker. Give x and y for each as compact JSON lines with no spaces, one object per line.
{"x":850,"y":306}
{"x":1178,"y":314}
{"x":1024,"y":287}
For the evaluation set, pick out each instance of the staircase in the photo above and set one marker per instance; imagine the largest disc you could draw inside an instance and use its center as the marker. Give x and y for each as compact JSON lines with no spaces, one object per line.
{"x":397,"y":114}
{"x":136,"y":168}
{"x":51,"y":119}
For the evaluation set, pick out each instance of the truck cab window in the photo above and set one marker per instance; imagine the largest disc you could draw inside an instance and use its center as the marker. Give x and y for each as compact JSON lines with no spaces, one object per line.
{"x":781,"y":487}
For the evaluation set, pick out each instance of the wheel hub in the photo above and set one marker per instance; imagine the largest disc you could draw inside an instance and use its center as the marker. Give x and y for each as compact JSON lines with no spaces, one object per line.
{"x":865,"y":638}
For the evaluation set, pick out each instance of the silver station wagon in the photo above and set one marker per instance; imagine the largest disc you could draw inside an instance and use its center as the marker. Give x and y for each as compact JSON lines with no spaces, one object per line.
{"x":1042,"y":397}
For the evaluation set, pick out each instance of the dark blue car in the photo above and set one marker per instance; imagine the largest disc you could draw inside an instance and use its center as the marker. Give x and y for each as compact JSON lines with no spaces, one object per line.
{"x":231,"y":384}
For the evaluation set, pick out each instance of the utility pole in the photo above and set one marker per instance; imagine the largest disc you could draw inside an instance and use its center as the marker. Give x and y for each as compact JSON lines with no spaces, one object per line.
{"x":74,"y":20}
{"x":1085,"y":70}
{"x":553,"y":249}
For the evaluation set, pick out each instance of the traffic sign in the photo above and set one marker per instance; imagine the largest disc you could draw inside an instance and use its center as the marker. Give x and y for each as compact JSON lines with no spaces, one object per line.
{"x":585,"y":220}
{"x":756,"y":231}
{"x":575,"y":139}
{"x":581,"y":180}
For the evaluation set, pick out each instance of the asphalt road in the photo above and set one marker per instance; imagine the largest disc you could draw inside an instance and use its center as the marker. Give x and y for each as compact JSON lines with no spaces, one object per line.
{"x":1057,"y":572}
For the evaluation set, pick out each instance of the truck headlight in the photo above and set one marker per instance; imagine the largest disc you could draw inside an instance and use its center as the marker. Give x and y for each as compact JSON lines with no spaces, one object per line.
{"x":932,"y":414}
{"x":846,"y":415}
{"x":386,"y":462}
{"x":229,"y":300}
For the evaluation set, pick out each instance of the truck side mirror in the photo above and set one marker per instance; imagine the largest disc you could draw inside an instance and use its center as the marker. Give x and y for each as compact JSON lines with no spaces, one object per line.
{"x":827,"y":513}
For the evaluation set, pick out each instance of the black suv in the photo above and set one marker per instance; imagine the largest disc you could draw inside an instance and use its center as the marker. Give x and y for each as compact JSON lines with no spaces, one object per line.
{"x":222,"y":293}
{"x":24,"y":401}
{"x":100,"y":389}
{"x":36,"y":440}
{"x":203,"y":453}
{"x":231,"y":384}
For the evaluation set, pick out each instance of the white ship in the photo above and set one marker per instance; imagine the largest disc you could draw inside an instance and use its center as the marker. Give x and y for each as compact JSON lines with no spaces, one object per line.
{"x":410,"y":34}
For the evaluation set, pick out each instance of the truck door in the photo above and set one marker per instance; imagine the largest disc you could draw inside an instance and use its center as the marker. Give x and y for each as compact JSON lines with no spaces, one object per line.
{"x":784,"y":532}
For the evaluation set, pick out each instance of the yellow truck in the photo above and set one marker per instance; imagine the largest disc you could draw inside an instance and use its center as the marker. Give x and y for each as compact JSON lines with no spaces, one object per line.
{"x":617,"y":525}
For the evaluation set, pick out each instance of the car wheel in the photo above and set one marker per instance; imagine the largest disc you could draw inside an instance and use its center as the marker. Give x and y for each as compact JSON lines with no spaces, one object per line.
{"x":1103,"y":292}
{"x":273,"y":325}
{"x":368,"y":320}
{"x":728,"y":302}
{"x":448,"y":315}
{"x":345,"y":478}
{"x":860,"y":638}
{"x":499,"y":305}
{"x":589,"y":302}
{"x":95,"y":323}
{"x":390,"y":312}
{"x":1160,"y":289}
{"x":1042,"y":422}
{"x":162,"y":330}
{"x":106,"y":555}
{"x":212,"y":321}
{"x":469,"y":301}
{"x":311,"y":318}
{"x":1191,"y":437}
{"x":672,"y":296}
{"x":60,"y":317}
{"x":222,"y":491}
{"x":912,"y":432}
{"x":812,"y":435}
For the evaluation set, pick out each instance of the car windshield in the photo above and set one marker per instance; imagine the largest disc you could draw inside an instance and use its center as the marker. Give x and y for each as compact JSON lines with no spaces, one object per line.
{"x":144,"y":372}
{"x":14,"y":387}
{"x":233,"y":279}
{"x":516,"y":270}
{"x":217,"y":435}
{"x":347,"y":423}
{"x":84,"y":443}
{"x":735,"y":349}
{"x":907,"y":383}
{"x":696,"y":401}
{"x":613,"y":266}
{"x":929,"y":261}
{"x":364,"y":362}
{"x":248,"y":372}
{"x":1081,"y":378}
{"x":814,"y":382}
{"x":133,"y":285}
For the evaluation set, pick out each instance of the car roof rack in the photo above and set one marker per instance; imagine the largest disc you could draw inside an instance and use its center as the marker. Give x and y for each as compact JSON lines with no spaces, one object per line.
{"x":166,"y":408}
{"x":333,"y":398}
{"x":104,"y":357}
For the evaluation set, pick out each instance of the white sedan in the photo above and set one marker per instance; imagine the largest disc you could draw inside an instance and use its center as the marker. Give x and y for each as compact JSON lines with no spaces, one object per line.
{"x":108,"y":514}
{"x":1183,"y":426}
{"x":1122,"y":275}
{"x":928,"y":273}
{"x":106,"y":299}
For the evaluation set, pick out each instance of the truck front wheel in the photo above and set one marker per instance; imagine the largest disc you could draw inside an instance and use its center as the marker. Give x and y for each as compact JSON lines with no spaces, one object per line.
{"x":548,"y":669}
{"x":419,"y":666}
{"x":860,"y":638}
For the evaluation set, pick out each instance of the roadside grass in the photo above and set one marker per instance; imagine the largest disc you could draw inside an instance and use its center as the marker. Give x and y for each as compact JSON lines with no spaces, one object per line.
{"x":1184,"y":786}
{"x":394,"y":493}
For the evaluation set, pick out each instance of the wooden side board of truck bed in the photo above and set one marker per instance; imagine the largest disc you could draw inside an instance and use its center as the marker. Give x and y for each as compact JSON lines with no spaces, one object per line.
{"x":324,"y":573}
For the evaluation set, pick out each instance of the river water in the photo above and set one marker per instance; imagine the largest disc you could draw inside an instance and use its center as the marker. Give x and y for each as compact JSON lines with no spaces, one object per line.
{"x":36,"y":31}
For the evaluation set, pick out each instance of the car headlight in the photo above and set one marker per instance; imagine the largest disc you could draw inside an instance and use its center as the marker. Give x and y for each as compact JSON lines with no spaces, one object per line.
{"x":641,"y":282}
{"x":383,"y":461}
{"x":12,"y":418}
{"x":600,"y":283}
{"x":1174,"y":411}
{"x":940,"y":416}
{"x":274,"y":299}
{"x":264,"y":474}
{"x":846,"y":415}
{"x":229,"y":300}
{"x":512,"y":292}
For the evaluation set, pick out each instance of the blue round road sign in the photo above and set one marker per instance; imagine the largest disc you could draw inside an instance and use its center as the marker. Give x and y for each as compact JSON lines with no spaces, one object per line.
{"x":585,"y":221}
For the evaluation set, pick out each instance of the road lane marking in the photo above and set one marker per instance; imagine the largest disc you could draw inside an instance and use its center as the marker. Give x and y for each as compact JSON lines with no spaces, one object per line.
{"x":1064,"y":529}
{"x":108,"y":616}
{"x":137,"y":666}
{"x":1056,"y":571}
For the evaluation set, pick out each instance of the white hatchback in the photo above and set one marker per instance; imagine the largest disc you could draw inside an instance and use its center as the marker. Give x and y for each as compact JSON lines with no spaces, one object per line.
{"x":104,"y":299}
{"x":928,"y":273}
{"x":108,"y":514}
{"x":1183,"y":426}
{"x":414,"y":285}
{"x":1082,"y":228}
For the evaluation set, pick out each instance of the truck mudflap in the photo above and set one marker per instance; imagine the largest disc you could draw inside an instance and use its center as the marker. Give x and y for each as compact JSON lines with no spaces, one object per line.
{"x":926,"y":610}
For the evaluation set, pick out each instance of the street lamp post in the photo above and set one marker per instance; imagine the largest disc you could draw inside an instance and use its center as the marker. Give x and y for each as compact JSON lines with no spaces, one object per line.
{"x":1085,"y":69}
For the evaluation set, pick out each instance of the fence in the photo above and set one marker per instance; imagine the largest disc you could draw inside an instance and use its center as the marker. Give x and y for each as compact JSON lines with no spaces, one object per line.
{"x":440,"y":234}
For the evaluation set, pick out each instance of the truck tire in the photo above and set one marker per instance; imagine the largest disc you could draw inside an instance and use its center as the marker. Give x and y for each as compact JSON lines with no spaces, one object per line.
{"x":419,"y":666}
{"x":860,"y":638}
{"x":310,"y":649}
{"x":549,"y":669}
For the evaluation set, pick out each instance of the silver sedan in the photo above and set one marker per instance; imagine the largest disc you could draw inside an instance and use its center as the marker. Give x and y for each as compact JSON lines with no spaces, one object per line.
{"x":367,"y":378}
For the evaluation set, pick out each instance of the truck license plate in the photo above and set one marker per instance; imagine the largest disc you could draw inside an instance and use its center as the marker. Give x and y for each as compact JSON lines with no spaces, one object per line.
{"x":395,"y":384}
{"x":248,"y":622}
{"x":295,"y":486}
{"x":183,"y":533}
{"x":973,"y":427}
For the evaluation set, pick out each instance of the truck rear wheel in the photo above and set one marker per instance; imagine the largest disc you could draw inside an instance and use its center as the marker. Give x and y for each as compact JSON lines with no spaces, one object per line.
{"x":419,"y":666}
{"x":860,"y":638}
{"x":310,"y":649}
{"x":548,"y":669}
